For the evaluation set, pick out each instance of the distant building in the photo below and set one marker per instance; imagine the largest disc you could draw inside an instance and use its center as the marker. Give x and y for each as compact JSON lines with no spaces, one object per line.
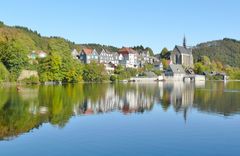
{"x":37,"y":54}
{"x":158,"y":66}
{"x":115,"y":58}
{"x":129,"y":57}
{"x":89,"y":55}
{"x":182,"y":55}
{"x":75,"y":54}
{"x":175,"y":72}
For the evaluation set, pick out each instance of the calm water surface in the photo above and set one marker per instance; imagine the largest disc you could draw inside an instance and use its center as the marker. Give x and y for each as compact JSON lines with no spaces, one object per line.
{"x":121,"y":119}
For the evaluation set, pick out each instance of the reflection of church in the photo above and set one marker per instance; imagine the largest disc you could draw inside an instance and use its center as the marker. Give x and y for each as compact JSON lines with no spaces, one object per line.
{"x":181,"y":96}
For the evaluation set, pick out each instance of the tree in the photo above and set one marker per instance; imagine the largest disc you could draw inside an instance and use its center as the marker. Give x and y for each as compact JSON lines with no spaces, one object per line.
{"x":164,"y":52}
{"x":165,"y":64}
{"x":14,"y":57}
{"x":50,"y":68}
{"x":94,"y":72}
{"x":205,"y":60}
{"x":4,"y":74}
{"x":151,"y":53}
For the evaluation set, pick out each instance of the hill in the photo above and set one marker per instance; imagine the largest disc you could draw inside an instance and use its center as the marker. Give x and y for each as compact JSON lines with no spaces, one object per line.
{"x":226,"y":51}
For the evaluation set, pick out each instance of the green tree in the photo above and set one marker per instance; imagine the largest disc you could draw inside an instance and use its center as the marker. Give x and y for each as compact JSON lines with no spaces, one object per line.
{"x":50,"y":68}
{"x":164,"y":52}
{"x":14,"y":57}
{"x":165,"y":64}
{"x":4,"y":74}
{"x":94,"y":72}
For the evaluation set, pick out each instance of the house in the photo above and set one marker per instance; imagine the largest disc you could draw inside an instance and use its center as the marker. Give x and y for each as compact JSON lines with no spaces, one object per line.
{"x":175,"y":72}
{"x":158,"y":66}
{"x":115,"y":58}
{"x":37,"y":54}
{"x":182,"y":55}
{"x":75,"y":54}
{"x":103,"y":57}
{"x":88,"y":55}
{"x":129,"y":57}
{"x":110,"y":67}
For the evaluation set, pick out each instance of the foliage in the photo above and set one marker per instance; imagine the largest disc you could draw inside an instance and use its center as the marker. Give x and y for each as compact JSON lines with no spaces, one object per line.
{"x":122,"y":73}
{"x":113,"y":78}
{"x":165,"y":64}
{"x":99,"y":47}
{"x":94,"y":72}
{"x":141,"y":48}
{"x":148,"y":67}
{"x":13,"y":56}
{"x":164,"y":52}
{"x":226,"y":51}
{"x":4,"y":74}
{"x":50,"y":68}
{"x":157,"y":72}
{"x":31,"y":80}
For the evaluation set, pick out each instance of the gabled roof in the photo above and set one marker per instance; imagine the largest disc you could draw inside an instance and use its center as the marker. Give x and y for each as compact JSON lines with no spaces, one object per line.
{"x":177,"y":68}
{"x":126,"y":50}
{"x":102,"y":51}
{"x":87,"y":51}
{"x":183,"y":50}
{"x":74,"y":52}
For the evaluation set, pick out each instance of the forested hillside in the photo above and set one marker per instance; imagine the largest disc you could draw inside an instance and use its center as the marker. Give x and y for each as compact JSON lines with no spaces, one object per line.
{"x":226,"y":51}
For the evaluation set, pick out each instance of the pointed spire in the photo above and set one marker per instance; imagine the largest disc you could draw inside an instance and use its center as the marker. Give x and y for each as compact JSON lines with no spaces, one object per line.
{"x":184,"y":42}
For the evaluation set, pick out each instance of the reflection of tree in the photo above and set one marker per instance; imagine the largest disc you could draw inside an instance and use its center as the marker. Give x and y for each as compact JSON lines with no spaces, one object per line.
{"x":4,"y":97}
{"x":15,"y":117}
{"x":22,"y":111}
{"x":218,"y":98}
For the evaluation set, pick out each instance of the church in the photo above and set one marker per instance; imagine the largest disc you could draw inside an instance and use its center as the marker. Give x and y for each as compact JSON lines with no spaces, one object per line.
{"x":182,"y":55}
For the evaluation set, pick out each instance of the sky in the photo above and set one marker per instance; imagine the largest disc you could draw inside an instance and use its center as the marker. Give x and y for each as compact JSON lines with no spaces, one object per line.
{"x":153,"y":23}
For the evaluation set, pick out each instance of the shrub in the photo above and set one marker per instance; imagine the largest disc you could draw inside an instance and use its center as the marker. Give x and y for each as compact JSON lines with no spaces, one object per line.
{"x":31,"y":80}
{"x":4,"y":74}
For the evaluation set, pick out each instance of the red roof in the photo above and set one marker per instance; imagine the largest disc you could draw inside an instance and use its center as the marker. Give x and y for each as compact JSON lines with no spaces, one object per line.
{"x":88,"y":111}
{"x":125,"y":50}
{"x":87,"y":51}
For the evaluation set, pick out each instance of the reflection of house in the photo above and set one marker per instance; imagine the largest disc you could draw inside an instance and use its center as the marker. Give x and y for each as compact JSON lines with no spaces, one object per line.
{"x":182,"y":55}
{"x":129,"y":102}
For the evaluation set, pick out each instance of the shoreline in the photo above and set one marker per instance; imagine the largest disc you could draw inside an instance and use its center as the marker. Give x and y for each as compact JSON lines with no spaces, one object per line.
{"x":8,"y":84}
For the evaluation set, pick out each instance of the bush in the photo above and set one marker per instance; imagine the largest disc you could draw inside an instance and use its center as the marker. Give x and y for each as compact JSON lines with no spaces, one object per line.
{"x":31,"y":80}
{"x":157,"y":72}
{"x":4,"y":74}
{"x":113,"y":78}
{"x":94,"y":72}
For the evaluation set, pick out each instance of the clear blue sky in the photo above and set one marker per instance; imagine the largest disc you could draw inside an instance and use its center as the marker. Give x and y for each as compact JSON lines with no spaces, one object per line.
{"x":153,"y":23}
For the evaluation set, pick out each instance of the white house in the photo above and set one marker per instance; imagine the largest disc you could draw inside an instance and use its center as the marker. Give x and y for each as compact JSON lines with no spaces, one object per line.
{"x":129,"y":57}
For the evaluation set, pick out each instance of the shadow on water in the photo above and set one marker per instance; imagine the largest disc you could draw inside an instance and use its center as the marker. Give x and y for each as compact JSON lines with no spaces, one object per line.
{"x":21,"y":111}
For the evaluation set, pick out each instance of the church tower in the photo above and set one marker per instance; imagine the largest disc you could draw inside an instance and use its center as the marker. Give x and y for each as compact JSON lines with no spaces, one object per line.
{"x":184,"y":42}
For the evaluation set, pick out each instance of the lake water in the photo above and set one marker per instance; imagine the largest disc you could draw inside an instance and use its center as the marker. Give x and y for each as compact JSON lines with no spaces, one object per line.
{"x":121,"y":119}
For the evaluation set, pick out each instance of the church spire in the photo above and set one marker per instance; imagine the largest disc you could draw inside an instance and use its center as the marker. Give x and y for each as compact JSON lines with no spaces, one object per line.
{"x":184,"y":42}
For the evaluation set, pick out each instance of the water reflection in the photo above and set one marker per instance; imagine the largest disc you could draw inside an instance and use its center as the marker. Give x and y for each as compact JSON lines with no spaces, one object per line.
{"x":32,"y":106}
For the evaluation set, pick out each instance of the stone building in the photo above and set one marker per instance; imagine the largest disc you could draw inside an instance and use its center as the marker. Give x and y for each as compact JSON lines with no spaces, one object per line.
{"x":182,"y":55}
